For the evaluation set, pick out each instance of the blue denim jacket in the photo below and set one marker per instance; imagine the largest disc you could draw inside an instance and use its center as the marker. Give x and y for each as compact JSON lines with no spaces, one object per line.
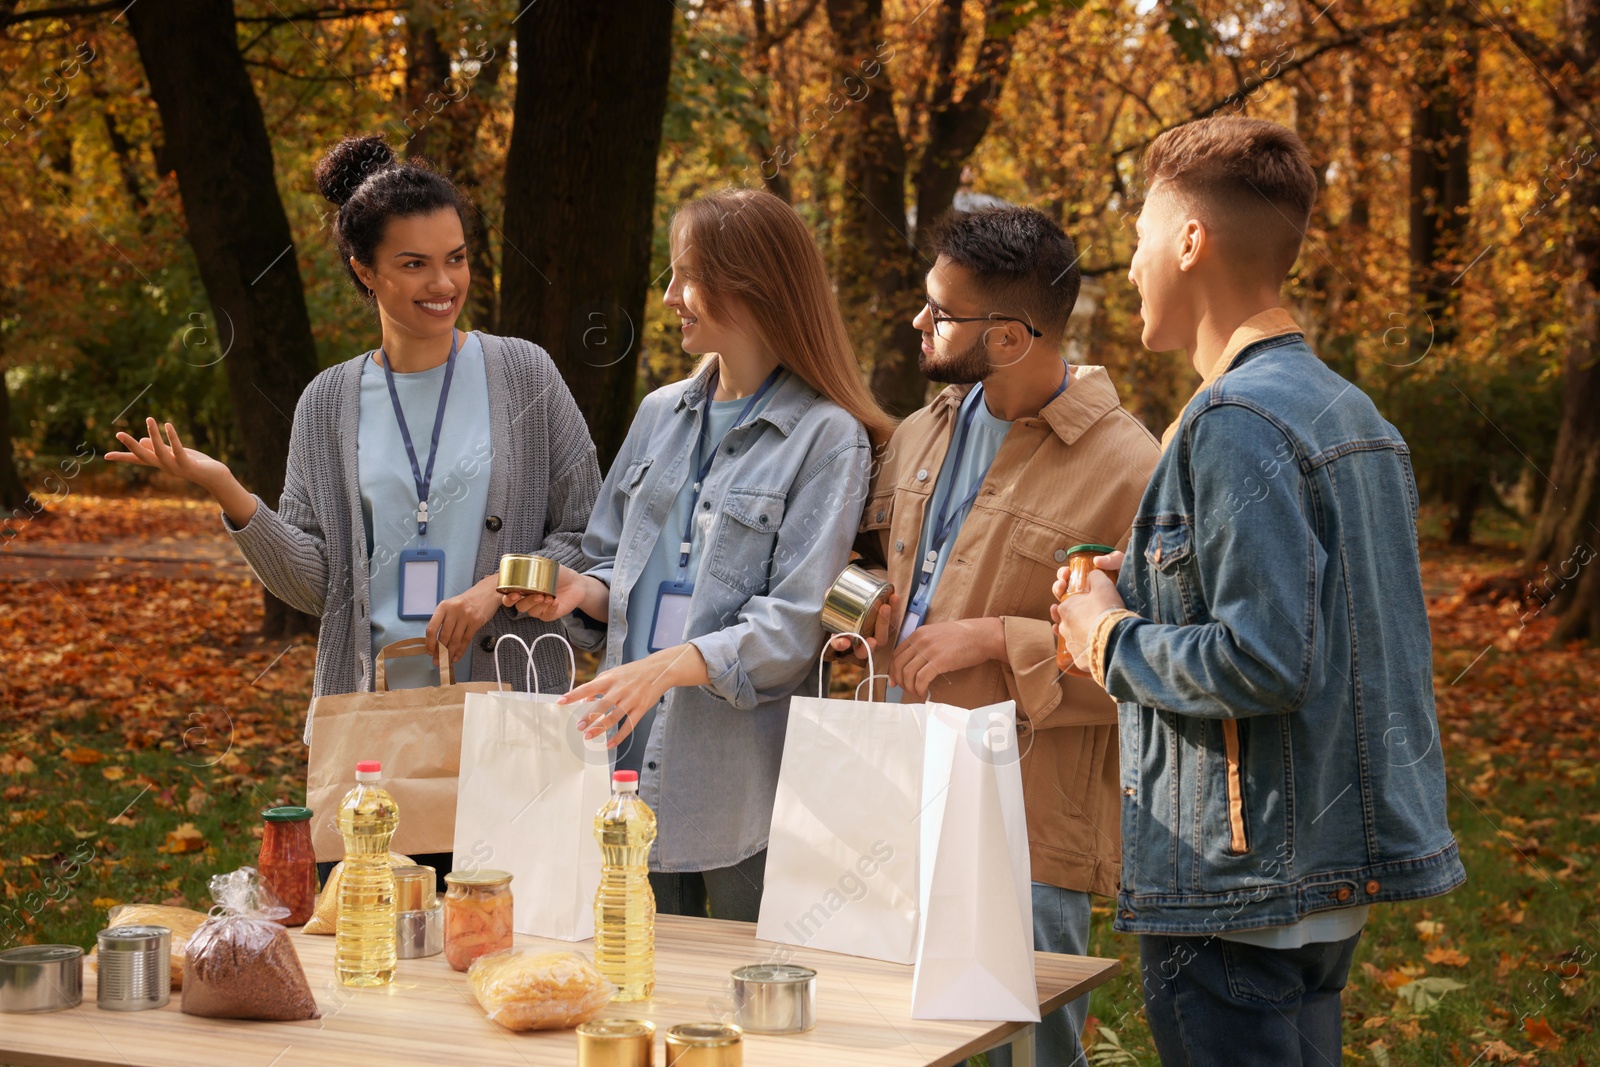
{"x":1280,"y":751}
{"x":787,"y":491}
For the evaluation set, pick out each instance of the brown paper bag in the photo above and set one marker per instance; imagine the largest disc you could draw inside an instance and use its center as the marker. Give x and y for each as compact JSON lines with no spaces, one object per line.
{"x":417,"y":735}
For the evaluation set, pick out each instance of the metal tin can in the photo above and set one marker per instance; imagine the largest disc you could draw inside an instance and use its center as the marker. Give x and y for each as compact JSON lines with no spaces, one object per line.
{"x":415,"y":887}
{"x":775,"y":998}
{"x":41,"y":978}
{"x":616,"y":1043}
{"x":419,"y":933}
{"x":135,"y":968}
{"x":528,"y":574}
{"x":853,"y":599}
{"x":705,"y":1045}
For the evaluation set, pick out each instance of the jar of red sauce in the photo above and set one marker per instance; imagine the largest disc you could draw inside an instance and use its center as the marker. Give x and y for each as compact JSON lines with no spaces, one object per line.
{"x":287,"y":863}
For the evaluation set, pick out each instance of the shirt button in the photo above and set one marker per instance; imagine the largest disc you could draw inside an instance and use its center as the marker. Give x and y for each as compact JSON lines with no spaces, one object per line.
{"x":706,"y":506}
{"x":922,"y":475}
{"x":486,"y":643}
{"x":879,"y":518}
{"x":731,"y":450}
{"x":899,"y":546}
{"x":1129,"y":791}
{"x":651,"y":765}
{"x":1127,"y":915}
{"x":492,"y":524}
{"x":1372,"y":888}
{"x":1343,"y":893}
{"x":763,"y":520}
{"x":1061,"y":555}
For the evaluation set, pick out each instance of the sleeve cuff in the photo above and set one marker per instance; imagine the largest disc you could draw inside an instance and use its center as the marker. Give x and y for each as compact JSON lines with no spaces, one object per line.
{"x":1100,"y":635}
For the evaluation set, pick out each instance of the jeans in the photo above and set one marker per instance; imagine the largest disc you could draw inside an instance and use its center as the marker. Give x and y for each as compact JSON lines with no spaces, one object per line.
{"x":1212,"y":1002}
{"x":1060,"y":924}
{"x":726,"y":893}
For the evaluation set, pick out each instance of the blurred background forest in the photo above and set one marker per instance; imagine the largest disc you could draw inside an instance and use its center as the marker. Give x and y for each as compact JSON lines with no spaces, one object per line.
{"x":164,"y":251}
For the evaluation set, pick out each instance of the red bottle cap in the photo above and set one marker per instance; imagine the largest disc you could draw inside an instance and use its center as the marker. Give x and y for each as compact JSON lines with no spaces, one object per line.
{"x":369,"y":766}
{"x":625,"y":776}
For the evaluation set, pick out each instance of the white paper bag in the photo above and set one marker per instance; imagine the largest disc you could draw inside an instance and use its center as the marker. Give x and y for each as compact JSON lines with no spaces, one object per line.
{"x":530,"y":788}
{"x":898,"y":834}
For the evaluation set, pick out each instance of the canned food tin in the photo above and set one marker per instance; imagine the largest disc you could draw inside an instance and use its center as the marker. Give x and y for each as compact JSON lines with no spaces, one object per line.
{"x":419,"y":933}
{"x":705,"y":1045}
{"x":775,"y":998}
{"x":41,"y":978}
{"x":854,"y":598}
{"x":616,"y":1043}
{"x":528,"y":574}
{"x":135,"y":970}
{"x":415,"y":888}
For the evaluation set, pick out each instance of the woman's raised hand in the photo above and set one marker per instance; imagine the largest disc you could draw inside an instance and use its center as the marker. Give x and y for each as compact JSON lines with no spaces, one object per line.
{"x":570,"y":590}
{"x":164,"y":450}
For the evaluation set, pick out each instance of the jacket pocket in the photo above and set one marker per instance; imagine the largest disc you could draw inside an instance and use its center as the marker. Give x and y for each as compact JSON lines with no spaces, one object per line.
{"x":879,"y":512}
{"x":1034,"y":553}
{"x":744,"y":538}
{"x":633,"y":477}
{"x":1170,"y":559}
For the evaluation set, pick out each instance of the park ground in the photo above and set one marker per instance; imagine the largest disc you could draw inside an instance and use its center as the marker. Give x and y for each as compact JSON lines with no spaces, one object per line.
{"x":144,"y":725}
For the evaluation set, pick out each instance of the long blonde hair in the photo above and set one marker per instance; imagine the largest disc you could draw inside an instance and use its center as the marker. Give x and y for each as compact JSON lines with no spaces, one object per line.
{"x":750,"y":245}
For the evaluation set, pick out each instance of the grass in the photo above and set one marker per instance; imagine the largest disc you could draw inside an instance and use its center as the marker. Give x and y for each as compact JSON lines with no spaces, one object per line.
{"x":143,"y":729}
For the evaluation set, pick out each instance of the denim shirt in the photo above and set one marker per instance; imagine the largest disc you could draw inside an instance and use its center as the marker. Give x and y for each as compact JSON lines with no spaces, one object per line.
{"x":786,"y":493}
{"x":1280,"y":750}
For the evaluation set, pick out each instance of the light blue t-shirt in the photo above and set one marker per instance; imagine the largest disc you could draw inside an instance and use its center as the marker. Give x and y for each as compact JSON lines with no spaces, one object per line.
{"x":662,"y":566}
{"x":955,"y":483}
{"x":458,"y":495}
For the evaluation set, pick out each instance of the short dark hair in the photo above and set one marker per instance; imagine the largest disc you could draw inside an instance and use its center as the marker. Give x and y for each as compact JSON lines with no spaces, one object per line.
{"x":361,"y":176}
{"x":1253,"y":178}
{"x":1021,"y":258}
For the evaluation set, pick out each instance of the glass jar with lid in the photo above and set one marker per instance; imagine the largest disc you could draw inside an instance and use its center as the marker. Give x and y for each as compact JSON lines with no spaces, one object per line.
{"x":287,"y":863}
{"x":477,"y":915}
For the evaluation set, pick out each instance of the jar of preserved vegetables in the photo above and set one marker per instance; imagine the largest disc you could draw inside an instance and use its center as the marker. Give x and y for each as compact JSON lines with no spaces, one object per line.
{"x":477,"y":915}
{"x":287,"y":863}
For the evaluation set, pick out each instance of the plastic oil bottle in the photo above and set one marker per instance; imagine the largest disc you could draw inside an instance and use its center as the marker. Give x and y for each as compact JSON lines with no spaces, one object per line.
{"x":624,"y":906}
{"x":364,"y":949}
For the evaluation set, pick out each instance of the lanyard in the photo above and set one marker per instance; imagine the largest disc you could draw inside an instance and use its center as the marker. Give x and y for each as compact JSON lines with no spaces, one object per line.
{"x":947,"y":519}
{"x":422,"y":478}
{"x":703,"y":466}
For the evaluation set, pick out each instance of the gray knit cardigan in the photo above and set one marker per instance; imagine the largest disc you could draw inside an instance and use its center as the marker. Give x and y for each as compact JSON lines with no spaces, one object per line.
{"x":312,"y":552}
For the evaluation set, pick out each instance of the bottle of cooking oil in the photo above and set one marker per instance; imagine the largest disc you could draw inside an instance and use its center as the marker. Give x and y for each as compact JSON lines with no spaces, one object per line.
{"x":624,"y":906}
{"x":364,"y":949}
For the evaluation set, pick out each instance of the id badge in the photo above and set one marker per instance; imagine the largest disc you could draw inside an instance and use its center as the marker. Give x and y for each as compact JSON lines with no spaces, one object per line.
{"x":671,"y":621}
{"x":421,"y":582}
{"x":912,"y":620}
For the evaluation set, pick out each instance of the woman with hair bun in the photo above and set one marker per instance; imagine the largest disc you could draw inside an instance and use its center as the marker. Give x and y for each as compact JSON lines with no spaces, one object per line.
{"x":413,"y":467}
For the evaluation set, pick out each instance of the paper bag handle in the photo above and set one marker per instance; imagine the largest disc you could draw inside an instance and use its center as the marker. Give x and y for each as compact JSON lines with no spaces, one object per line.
{"x":409,"y":646}
{"x":532,"y":677}
{"x":822,"y":662}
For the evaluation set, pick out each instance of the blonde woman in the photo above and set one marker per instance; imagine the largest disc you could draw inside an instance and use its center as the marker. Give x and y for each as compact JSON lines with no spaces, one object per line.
{"x":725,"y":518}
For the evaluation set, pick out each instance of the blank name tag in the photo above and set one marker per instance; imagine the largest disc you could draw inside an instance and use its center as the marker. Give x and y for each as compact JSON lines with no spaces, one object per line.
{"x":672,"y":615}
{"x":421,"y":582}
{"x":912,"y":620}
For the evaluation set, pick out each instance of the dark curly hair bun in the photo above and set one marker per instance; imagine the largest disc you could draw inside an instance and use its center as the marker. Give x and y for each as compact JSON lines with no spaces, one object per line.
{"x":361,"y":175}
{"x":347,"y":164}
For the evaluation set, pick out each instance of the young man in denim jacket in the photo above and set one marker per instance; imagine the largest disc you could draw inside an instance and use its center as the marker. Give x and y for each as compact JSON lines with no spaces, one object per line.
{"x":1281,"y":768}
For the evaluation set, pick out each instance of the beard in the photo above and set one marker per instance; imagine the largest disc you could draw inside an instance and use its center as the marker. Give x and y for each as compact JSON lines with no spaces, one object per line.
{"x":967,"y":367}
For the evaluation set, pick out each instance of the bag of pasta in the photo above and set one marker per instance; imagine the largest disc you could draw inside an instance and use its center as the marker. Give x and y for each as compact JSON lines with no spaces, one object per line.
{"x":538,"y":990}
{"x":241,"y":964}
{"x":181,"y":921}
{"x":325,"y":920}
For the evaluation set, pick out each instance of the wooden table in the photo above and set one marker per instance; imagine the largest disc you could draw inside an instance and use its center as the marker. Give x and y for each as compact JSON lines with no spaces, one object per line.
{"x":428,"y":1016}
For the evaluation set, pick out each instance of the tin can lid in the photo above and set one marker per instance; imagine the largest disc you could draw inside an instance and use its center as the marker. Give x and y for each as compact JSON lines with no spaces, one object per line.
{"x":781,"y":973}
{"x":1099,"y":550}
{"x":27,"y":955}
{"x":133,"y":938}
{"x":289,"y":814}
{"x":617,"y":1028}
{"x":482,"y":878}
{"x":704,"y":1035}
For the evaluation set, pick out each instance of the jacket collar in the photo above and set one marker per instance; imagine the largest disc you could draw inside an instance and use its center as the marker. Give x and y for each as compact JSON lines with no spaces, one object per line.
{"x":1273,"y":322}
{"x":792,"y":397}
{"x":1089,"y":398}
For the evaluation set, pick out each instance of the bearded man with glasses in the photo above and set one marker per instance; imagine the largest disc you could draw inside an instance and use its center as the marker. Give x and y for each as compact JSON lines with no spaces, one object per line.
{"x":980,"y":497}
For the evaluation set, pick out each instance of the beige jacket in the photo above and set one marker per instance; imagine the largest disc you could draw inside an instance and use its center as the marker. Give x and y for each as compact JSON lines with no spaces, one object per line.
{"x":1071,"y":475}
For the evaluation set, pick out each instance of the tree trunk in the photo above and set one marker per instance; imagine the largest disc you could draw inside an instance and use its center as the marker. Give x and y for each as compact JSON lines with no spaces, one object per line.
{"x":878,"y":262}
{"x":13,"y":491}
{"x":1567,"y":535}
{"x":217,"y":142}
{"x":580,"y":195}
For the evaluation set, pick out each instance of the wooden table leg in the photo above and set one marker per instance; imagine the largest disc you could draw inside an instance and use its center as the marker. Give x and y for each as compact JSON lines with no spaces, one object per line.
{"x":1022,"y":1046}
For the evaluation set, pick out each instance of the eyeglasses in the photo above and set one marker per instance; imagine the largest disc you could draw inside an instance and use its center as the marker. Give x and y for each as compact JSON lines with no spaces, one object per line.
{"x":936,"y":313}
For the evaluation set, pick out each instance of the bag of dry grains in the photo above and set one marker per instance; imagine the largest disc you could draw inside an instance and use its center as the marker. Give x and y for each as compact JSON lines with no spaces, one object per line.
{"x":241,"y":963}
